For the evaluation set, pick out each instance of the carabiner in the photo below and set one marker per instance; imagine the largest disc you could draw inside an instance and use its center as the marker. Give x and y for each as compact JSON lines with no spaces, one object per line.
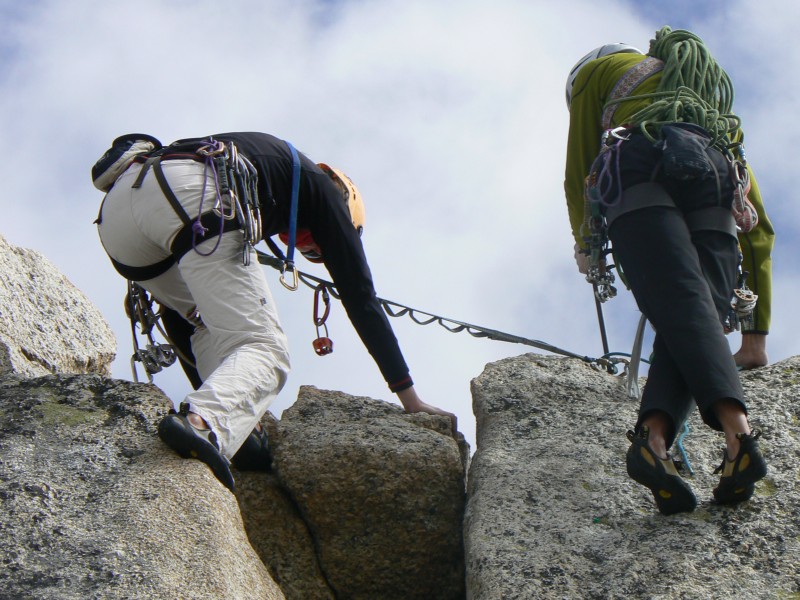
{"x":289,"y":266}
{"x":616,"y":133}
{"x":321,"y":289}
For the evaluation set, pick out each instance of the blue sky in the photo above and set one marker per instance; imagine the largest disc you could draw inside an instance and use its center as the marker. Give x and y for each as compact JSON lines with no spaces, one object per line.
{"x":449,"y":115}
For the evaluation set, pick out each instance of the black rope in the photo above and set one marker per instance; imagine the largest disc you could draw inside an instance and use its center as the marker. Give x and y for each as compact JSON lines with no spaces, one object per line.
{"x":394,"y":309}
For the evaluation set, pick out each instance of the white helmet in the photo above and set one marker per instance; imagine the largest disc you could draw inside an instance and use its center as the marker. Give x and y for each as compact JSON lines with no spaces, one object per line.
{"x":596,"y":53}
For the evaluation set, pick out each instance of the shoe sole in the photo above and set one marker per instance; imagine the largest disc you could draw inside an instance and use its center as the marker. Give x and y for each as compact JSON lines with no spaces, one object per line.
{"x":741,"y":486}
{"x":174,"y":433}
{"x":671,"y":493}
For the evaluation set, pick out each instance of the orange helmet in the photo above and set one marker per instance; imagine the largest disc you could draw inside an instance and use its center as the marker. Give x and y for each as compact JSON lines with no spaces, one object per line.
{"x":352,"y":196}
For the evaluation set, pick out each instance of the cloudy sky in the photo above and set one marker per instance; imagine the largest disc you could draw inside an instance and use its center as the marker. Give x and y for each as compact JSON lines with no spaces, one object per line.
{"x":449,"y":115}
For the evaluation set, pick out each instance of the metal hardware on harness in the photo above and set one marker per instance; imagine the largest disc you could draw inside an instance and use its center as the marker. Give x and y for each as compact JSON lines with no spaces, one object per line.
{"x":289,"y":266}
{"x":236,"y":181}
{"x":154,"y":357}
{"x":599,"y":274}
{"x":743,"y":303}
{"x":323,"y":345}
{"x":616,"y":133}
{"x":744,"y":213}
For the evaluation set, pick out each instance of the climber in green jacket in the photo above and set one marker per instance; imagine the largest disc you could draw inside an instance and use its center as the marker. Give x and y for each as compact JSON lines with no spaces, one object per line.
{"x":655,"y":165}
{"x":590,"y":90}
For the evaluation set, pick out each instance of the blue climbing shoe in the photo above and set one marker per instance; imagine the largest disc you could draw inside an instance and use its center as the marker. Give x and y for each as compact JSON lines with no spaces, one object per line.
{"x":672,"y":494}
{"x":178,"y":433}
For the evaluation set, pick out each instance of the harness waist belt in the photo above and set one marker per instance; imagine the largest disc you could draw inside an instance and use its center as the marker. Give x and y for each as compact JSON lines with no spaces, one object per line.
{"x":642,"y":195}
{"x":650,"y":194}
{"x":181,"y":245}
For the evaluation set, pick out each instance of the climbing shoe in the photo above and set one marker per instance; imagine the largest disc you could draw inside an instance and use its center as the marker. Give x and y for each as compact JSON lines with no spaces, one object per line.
{"x":737,"y":482}
{"x":672,"y":494}
{"x":178,"y":433}
{"x":254,"y":454}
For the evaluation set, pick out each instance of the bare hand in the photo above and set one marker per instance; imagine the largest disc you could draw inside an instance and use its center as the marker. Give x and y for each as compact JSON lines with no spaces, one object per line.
{"x":412,"y":403}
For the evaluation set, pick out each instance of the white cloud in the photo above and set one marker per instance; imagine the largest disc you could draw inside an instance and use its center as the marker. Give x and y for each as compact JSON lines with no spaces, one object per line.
{"x":449,"y":116}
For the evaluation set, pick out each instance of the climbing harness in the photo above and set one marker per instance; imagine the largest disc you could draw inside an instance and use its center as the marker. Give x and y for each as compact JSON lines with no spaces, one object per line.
{"x":154,"y":357}
{"x":235,"y":183}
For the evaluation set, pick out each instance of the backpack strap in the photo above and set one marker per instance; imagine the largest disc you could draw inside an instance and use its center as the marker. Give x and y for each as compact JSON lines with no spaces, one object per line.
{"x":632,"y":79}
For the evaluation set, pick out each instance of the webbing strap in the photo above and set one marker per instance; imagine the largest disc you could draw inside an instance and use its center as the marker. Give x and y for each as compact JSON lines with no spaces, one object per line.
{"x":714,"y":218}
{"x":642,"y":195}
{"x":632,"y":78}
{"x":293,"y":207}
{"x":649,"y":194}
{"x":181,"y":245}
{"x":169,"y":194}
{"x":211,"y":224}
{"x":143,"y":273}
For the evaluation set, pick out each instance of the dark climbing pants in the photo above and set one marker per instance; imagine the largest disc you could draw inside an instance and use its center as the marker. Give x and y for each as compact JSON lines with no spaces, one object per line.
{"x":682,"y":281}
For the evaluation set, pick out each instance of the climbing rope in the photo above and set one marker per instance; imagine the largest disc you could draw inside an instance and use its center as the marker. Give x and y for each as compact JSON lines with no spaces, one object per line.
{"x":608,"y":361}
{"x":693,"y":89}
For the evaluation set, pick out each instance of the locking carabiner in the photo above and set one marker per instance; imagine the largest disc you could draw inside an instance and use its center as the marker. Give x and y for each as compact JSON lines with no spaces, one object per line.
{"x":289,"y":266}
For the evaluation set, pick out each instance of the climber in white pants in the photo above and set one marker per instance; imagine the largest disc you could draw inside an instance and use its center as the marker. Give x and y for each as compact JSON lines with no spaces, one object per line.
{"x":240,"y":349}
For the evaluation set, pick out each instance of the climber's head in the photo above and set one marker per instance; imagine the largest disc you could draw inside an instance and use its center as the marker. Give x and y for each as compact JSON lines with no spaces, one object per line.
{"x":304,"y":243}
{"x":596,"y":53}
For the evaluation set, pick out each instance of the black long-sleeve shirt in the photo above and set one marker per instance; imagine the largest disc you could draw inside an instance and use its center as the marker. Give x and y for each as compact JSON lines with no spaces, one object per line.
{"x":322,"y":211}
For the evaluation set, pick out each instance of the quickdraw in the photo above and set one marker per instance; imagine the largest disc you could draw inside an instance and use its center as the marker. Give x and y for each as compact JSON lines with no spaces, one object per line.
{"x":154,"y":357}
{"x":609,"y":361}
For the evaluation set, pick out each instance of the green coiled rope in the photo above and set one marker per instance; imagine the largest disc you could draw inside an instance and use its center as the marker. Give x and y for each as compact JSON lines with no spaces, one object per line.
{"x":693,"y":89}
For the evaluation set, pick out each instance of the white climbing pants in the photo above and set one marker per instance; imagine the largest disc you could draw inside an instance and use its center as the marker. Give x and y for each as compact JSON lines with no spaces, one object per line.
{"x":241,"y":351}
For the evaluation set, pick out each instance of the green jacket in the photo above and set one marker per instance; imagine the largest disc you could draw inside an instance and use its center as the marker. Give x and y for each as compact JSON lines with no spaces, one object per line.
{"x":590,"y":92}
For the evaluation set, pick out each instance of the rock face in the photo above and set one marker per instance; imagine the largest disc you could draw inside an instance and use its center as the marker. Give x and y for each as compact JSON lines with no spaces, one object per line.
{"x":551,"y":512}
{"x":93,"y":505}
{"x":381,"y":492}
{"x":365,"y":501}
{"x":46,"y":324}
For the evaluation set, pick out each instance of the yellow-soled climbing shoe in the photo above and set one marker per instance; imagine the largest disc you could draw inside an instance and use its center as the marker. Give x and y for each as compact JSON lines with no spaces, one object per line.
{"x":739,"y":475}
{"x":672,"y":494}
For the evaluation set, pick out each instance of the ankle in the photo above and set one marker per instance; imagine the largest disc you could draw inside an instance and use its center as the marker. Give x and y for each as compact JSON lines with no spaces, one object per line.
{"x":197,"y":421}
